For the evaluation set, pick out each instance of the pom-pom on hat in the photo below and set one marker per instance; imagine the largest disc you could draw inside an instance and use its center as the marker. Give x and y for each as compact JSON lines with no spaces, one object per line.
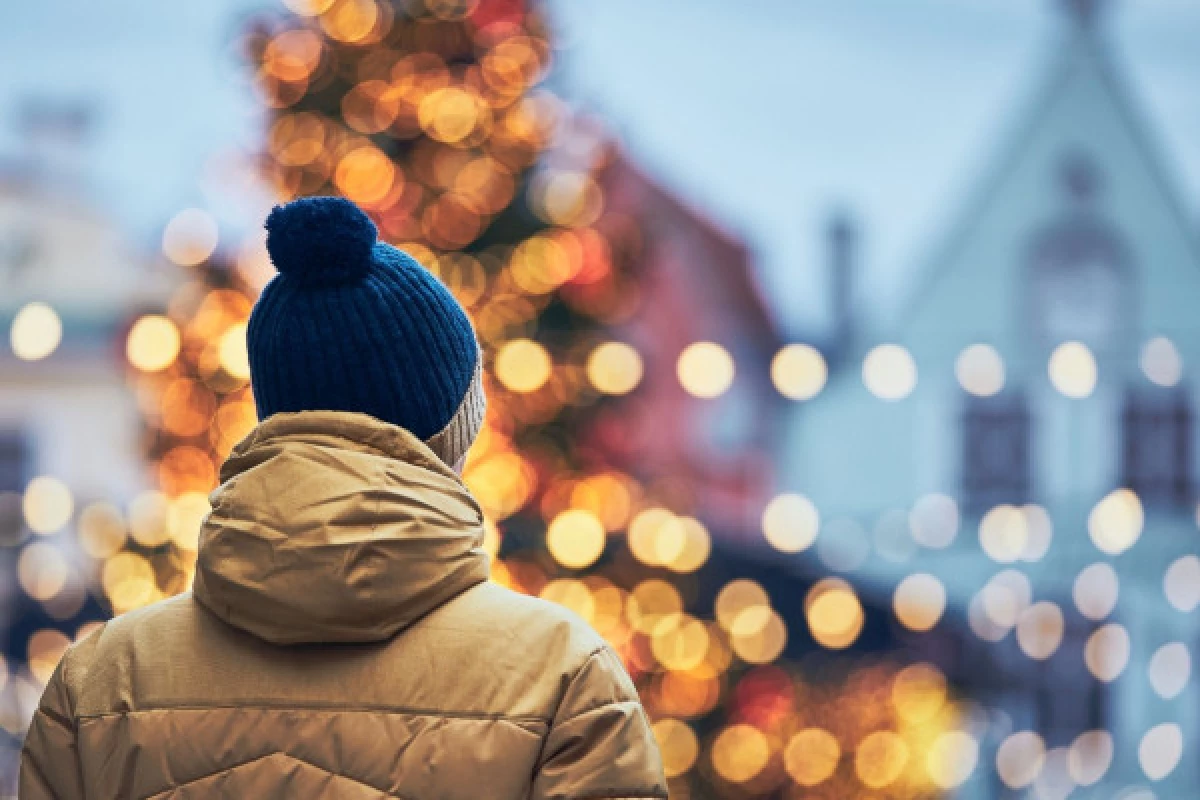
{"x":353,"y":324}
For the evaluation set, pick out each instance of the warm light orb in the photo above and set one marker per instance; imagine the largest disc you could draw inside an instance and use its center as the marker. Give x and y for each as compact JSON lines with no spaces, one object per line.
{"x":1107,"y":652}
{"x":47,"y":504}
{"x":1170,"y":670}
{"x":1004,"y":533}
{"x":835,"y":616}
{"x":918,"y":693}
{"x":740,"y":752}
{"x":1095,"y":591}
{"x":799,"y":371}
{"x":705,"y":369}
{"x":980,"y":370}
{"x":1161,"y":363}
{"x":36,"y":332}
{"x":232,"y":352}
{"x":1115,"y":523}
{"x":190,"y":237}
{"x":880,"y":759}
{"x":1090,"y":756}
{"x":889,"y":372}
{"x":951,"y":759}
{"x":736,"y":597}
{"x":1020,"y":758}
{"x":790,"y":523}
{"x":523,"y":365}
{"x":1072,"y":370}
{"x":153,"y":343}
{"x":1040,"y":630}
{"x":678,"y":744}
{"x":614,"y":368}
{"x":919,"y":601}
{"x":1160,"y":750}
{"x":576,"y":538}
{"x":811,"y":756}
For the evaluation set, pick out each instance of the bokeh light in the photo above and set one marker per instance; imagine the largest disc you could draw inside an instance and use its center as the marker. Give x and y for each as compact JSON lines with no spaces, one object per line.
{"x":835,"y":616}
{"x":36,"y":332}
{"x":1160,"y":750}
{"x":614,"y":368}
{"x":889,"y":372}
{"x":705,"y":369}
{"x":1115,"y":523}
{"x":1072,"y":370}
{"x":576,"y":538}
{"x":1160,"y":362}
{"x":919,"y":601}
{"x":799,"y":371}
{"x":190,"y":237}
{"x":153,"y":343}
{"x":523,"y":365}
{"x":790,"y":523}
{"x":980,"y":370}
{"x":48,"y":504}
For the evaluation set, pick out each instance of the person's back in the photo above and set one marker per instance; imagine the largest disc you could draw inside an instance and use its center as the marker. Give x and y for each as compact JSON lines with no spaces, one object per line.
{"x":342,"y":640}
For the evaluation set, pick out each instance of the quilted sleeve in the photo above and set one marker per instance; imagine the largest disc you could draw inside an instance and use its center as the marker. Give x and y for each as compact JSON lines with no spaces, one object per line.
{"x":600,"y":744}
{"x":50,"y":768}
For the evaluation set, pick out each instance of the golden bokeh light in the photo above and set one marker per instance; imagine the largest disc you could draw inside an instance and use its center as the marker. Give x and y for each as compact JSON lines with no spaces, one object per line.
{"x":738,"y":596}
{"x":572,"y":594}
{"x":889,"y":372}
{"x":679,"y":642}
{"x":47,"y":504}
{"x":233,"y":355}
{"x":1072,"y":370}
{"x":1115,"y":523}
{"x":790,"y":523}
{"x":740,"y":752}
{"x":799,"y":371}
{"x":705,"y":369}
{"x":366,"y":175}
{"x":614,"y":368}
{"x":835,"y":616}
{"x":576,"y":538}
{"x":190,"y":237}
{"x":980,"y":370}
{"x":758,"y":635}
{"x":185,"y":514}
{"x":148,"y":518}
{"x":102,"y":530}
{"x":523,"y":365}
{"x":652,"y":603}
{"x":153,"y":343}
{"x":919,"y":601}
{"x":678,"y":745}
{"x":880,"y":759}
{"x":918,"y":693}
{"x":812,"y":756}
{"x":36,"y":332}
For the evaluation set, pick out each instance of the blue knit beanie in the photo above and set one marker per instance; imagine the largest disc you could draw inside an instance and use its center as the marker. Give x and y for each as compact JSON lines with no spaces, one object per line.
{"x":353,"y":324}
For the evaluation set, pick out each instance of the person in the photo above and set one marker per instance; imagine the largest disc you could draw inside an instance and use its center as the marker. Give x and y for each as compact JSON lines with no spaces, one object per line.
{"x":342,"y":639}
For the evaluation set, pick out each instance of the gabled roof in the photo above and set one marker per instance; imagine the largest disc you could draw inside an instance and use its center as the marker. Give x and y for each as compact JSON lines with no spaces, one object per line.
{"x":1085,"y":49}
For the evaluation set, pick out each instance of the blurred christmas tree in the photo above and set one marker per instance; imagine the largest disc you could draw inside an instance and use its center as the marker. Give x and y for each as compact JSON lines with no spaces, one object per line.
{"x":429,"y":115}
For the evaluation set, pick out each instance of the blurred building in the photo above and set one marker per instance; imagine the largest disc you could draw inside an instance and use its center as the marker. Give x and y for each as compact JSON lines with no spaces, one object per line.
{"x":70,"y":431}
{"x":697,"y":285}
{"x":1033,"y":400}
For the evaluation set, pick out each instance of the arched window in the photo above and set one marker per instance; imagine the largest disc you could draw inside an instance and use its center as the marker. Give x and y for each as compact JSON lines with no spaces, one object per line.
{"x":1156,"y":450}
{"x":996,"y":459}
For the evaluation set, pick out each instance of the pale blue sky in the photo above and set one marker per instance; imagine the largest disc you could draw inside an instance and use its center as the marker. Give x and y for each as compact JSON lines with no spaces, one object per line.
{"x":765,"y":113}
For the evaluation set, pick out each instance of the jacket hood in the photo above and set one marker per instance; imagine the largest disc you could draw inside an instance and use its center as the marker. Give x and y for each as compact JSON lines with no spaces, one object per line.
{"x":335,"y":527}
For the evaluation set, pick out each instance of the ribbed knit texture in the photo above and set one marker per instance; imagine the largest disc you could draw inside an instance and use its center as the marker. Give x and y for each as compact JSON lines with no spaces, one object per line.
{"x":379,"y":335}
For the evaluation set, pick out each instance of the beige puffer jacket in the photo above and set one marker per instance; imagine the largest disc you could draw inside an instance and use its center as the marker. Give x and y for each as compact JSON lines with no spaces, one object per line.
{"x":342,"y":641}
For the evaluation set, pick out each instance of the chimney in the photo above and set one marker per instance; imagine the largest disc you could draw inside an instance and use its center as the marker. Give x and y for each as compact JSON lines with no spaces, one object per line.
{"x":842,"y":233}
